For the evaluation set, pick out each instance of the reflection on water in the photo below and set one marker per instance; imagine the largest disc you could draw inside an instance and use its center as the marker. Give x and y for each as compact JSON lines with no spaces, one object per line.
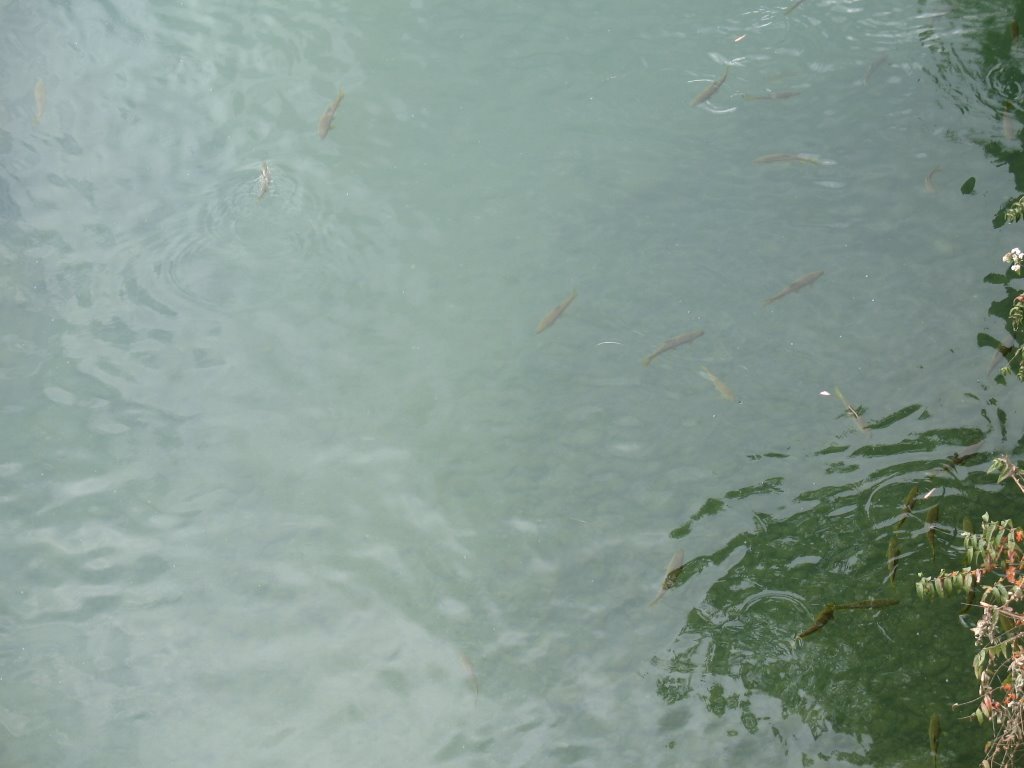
{"x":831,"y":541}
{"x":301,"y":466}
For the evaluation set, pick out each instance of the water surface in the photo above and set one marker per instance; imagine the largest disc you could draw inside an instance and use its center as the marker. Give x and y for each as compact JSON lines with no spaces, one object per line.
{"x":294,"y":481}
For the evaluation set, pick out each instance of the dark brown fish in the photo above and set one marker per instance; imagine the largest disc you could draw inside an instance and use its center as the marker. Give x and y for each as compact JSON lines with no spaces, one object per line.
{"x":854,"y":414}
{"x":672,"y":343}
{"x":823,"y":618}
{"x":893,"y":558}
{"x":327,"y":119}
{"x":934,"y":731}
{"x":793,"y":6}
{"x":711,"y":90}
{"x":554,"y":314}
{"x":673,"y":571}
{"x":803,"y":282}
{"x":908,"y":506}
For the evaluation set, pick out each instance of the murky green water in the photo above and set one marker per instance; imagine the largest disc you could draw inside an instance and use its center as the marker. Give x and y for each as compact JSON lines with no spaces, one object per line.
{"x":294,"y":481}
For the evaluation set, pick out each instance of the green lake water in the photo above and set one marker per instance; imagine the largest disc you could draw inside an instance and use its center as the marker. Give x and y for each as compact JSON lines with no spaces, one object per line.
{"x":294,"y":481}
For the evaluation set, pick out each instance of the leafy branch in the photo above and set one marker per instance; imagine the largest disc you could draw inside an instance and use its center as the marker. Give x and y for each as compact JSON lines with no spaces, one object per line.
{"x":991,"y":580}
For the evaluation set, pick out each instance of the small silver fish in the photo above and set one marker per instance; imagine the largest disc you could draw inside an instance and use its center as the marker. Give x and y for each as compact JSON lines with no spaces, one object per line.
{"x":264,"y":180}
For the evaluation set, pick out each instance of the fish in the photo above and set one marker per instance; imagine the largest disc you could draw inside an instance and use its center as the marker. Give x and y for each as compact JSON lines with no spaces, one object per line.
{"x":673,"y":571}
{"x":929,"y":185}
{"x":934,"y":731}
{"x":960,"y":457}
{"x":823,"y":618}
{"x":471,"y":674}
{"x":803,"y":282}
{"x":784,"y":158}
{"x":1003,"y":351}
{"x":931,"y":517}
{"x":770,"y":96}
{"x":711,"y":90}
{"x":327,"y":119}
{"x":876,"y":603}
{"x":554,"y":314}
{"x":40,"y":92}
{"x":911,"y":499}
{"x":908,"y":506}
{"x":1010,"y":126}
{"x":676,"y":341}
{"x":908,"y":502}
{"x":854,"y":414}
{"x":883,"y":59}
{"x":720,"y":385}
{"x":792,"y":7}
{"x":893,"y":558}
{"x":1014,"y":31}
{"x":264,"y":180}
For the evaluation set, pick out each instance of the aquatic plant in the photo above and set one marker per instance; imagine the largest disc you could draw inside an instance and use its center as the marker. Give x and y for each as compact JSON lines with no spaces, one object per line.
{"x":992,"y":579}
{"x":1015,"y":355}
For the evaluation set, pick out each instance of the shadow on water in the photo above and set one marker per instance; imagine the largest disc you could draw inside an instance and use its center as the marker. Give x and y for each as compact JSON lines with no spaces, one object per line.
{"x":755,"y":636}
{"x":878,"y":670}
